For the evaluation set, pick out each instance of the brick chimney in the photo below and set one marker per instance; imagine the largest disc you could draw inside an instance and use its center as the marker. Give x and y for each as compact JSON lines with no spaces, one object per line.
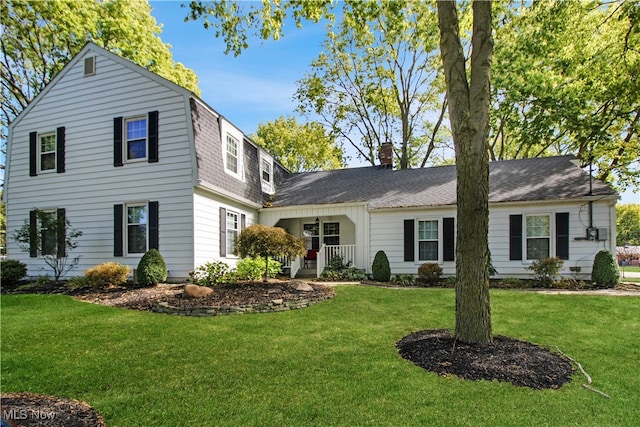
{"x":385,"y":154}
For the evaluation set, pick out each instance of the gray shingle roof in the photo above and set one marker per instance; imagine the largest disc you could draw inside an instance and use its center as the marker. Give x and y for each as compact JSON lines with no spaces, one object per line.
{"x":549,"y":178}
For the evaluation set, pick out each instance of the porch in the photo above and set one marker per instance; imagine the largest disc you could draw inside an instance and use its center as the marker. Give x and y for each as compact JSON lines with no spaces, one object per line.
{"x":312,"y":264}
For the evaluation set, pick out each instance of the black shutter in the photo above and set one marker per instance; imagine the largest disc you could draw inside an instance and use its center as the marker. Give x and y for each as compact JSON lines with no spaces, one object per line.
{"x":118,"y":219}
{"x":154,"y":240}
{"x":60,"y":149}
{"x":223,"y":232}
{"x":243,"y":221}
{"x":153,"y":136}
{"x":515,"y":237}
{"x":448,"y":239}
{"x":33,"y":154}
{"x":409,"y":240}
{"x":562,"y":235}
{"x":117,"y":142}
{"x":33,"y":234}
{"x":61,"y":236}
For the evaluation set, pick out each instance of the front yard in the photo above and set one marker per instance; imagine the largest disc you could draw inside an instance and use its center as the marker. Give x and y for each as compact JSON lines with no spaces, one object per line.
{"x":334,"y":363}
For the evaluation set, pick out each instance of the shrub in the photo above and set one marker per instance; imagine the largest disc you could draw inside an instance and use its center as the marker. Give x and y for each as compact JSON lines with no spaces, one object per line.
{"x":430,"y":272}
{"x":109,"y":273}
{"x":253,"y":268}
{"x":380,"y":268}
{"x":151,"y":269}
{"x":338,"y":270}
{"x":545,"y":270}
{"x":605,"y":271}
{"x":12,"y":271}
{"x":210,"y":274}
{"x":404,"y":280}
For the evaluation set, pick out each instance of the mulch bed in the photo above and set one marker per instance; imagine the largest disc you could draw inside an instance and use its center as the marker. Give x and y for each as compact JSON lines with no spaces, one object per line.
{"x":505,"y":359}
{"x":222,"y":296}
{"x":36,"y":410}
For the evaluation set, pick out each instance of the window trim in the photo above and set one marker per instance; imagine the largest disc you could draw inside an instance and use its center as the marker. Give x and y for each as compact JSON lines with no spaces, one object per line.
{"x":126,"y":226}
{"x":230,"y":243}
{"x":439,"y":242}
{"x":40,"y":153}
{"x":125,"y":139}
{"x":231,"y":138}
{"x":526,"y":237}
{"x":325,"y":235}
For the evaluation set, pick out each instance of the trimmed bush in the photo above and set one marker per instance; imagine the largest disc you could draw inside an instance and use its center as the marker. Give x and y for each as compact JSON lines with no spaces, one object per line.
{"x":12,"y":271}
{"x":151,"y":269}
{"x":380,"y":268}
{"x":109,"y":273}
{"x":605,"y":270}
{"x":210,"y":274}
{"x":253,"y":268}
{"x":339,"y":270}
{"x":545,"y":270}
{"x":430,"y":272}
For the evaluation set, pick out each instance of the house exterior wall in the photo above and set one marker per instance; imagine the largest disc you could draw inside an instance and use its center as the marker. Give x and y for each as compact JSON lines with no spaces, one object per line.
{"x":207,"y":221}
{"x":387,"y":230}
{"x":91,"y":185}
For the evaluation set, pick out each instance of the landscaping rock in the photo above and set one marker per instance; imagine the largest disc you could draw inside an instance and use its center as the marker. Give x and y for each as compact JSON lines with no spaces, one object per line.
{"x":195,"y":291}
{"x":299,"y":285}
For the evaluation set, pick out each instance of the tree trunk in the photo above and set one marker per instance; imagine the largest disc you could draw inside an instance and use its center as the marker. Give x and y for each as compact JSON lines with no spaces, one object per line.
{"x":469,"y":117}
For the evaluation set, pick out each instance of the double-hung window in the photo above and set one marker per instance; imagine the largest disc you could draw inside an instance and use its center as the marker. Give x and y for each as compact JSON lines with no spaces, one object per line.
{"x":331,"y":233}
{"x":136,"y":138}
{"x":428,"y":240}
{"x":538,"y":236}
{"x":136,"y":231}
{"x":233,"y":227}
{"x":232,"y":154}
{"x":47,"y":152}
{"x":48,"y":233}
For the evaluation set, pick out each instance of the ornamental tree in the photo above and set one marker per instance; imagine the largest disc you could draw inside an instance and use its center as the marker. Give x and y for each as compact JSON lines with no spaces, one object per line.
{"x":48,"y":235}
{"x":262,"y":241}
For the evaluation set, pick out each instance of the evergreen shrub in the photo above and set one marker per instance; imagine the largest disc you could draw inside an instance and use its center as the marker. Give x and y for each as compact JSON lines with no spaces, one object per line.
{"x":380,"y":268}
{"x":12,"y":271}
{"x":151,"y":269}
{"x":605,"y":270}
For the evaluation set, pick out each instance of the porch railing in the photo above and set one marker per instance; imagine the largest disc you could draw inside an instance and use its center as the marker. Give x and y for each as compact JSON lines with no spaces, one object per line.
{"x":327,"y":252}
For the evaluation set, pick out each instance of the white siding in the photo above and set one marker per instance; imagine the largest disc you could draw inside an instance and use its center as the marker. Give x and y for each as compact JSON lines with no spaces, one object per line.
{"x":91,"y":185}
{"x":581,"y":252}
{"x":206,"y":219}
{"x":387,"y":234}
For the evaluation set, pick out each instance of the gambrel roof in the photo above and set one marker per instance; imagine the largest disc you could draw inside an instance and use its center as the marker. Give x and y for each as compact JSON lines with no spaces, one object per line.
{"x":523,"y":180}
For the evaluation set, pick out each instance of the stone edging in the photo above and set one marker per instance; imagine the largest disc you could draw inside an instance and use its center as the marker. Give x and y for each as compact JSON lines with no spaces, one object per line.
{"x":209,"y":311}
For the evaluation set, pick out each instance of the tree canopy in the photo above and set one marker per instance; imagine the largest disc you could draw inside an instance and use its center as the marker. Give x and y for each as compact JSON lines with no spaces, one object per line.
{"x":628,"y":224}
{"x":299,"y":147}
{"x":565,"y":80}
{"x":40,"y":37}
{"x":378,"y":79}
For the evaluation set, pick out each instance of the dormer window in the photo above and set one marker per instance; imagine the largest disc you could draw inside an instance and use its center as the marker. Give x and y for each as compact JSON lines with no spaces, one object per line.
{"x":266,"y":171}
{"x":232,"y":154}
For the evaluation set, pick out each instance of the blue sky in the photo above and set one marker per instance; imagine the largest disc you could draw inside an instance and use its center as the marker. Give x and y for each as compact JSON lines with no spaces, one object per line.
{"x":253,"y":88}
{"x":257,"y":86}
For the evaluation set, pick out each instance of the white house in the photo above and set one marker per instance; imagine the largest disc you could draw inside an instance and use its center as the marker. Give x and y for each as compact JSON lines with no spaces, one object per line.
{"x":137,"y":162}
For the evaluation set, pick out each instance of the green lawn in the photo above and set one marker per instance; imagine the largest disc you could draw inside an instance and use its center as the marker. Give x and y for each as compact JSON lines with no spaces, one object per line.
{"x":332,"y":364}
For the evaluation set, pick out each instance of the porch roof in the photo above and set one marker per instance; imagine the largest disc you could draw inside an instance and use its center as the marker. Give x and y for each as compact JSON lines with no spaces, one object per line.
{"x":550,"y":178}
